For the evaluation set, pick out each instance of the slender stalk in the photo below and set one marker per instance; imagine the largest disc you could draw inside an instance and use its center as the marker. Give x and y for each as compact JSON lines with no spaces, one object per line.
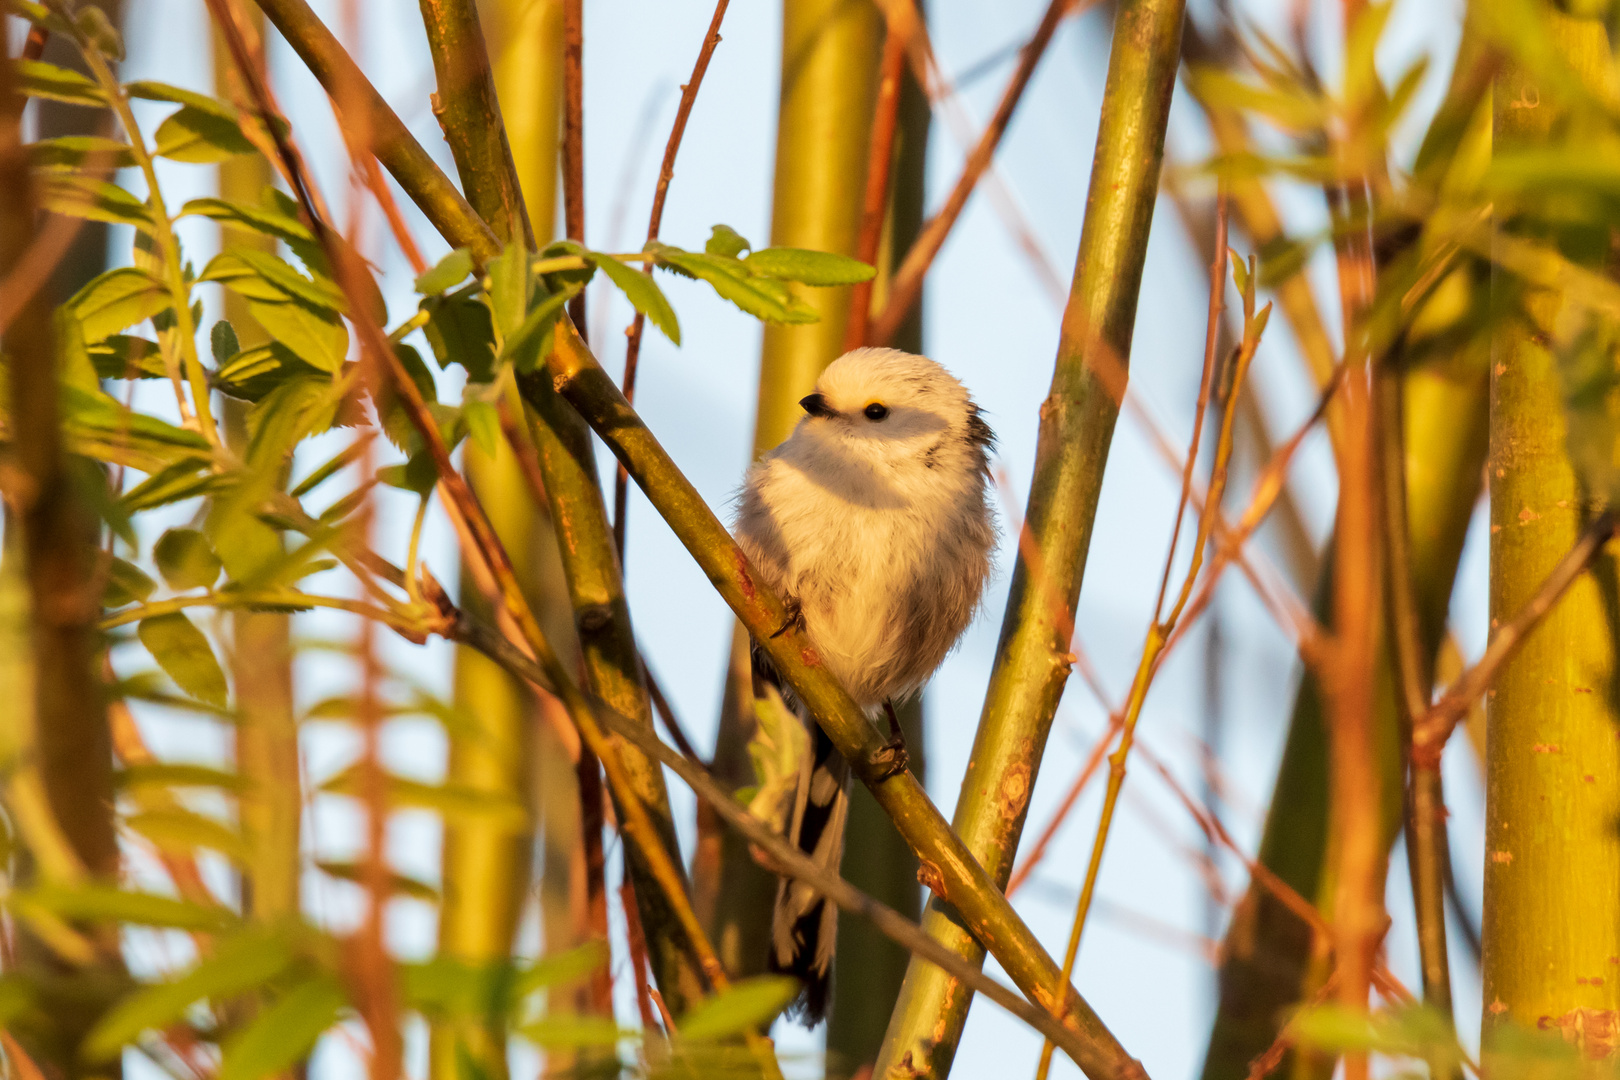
{"x":184,"y":334}
{"x":48,"y":513}
{"x":829,"y":75}
{"x":908,"y":280}
{"x":486,"y":868}
{"x":1552,"y":771}
{"x":1272,"y":957}
{"x":666,"y":173}
{"x":875,"y":204}
{"x":1159,"y":633}
{"x":573,"y":139}
{"x":1077,"y":423}
{"x":271,"y":807}
{"x":1428,"y":855}
{"x":947,"y":867}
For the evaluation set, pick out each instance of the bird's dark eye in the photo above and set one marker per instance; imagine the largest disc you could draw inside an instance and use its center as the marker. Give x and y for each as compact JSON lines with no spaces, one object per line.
{"x":876,"y":411}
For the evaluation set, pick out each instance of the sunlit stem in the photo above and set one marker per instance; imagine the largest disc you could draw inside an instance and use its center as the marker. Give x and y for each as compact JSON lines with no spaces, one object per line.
{"x":168,"y":251}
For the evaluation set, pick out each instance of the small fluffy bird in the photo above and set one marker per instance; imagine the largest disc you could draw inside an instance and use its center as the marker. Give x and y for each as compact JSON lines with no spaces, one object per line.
{"x":873,"y":521}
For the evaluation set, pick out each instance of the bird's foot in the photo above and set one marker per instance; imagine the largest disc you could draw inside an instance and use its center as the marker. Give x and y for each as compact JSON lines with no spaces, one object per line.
{"x":794,"y":619}
{"x":894,"y":758}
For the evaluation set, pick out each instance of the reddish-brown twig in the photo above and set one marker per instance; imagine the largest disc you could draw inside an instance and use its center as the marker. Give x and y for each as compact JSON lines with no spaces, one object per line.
{"x":907,"y":284}
{"x":879,"y":159}
{"x":573,"y":140}
{"x":655,"y":220}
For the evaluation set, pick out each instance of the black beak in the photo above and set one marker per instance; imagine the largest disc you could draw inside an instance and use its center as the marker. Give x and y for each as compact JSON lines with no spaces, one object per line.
{"x":816,"y":405}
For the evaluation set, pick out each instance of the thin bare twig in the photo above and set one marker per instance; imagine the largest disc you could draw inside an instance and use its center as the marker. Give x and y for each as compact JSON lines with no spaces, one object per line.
{"x":1430,"y":733}
{"x":573,"y":141}
{"x":655,"y":220}
{"x":907,"y":284}
{"x":874,"y":207}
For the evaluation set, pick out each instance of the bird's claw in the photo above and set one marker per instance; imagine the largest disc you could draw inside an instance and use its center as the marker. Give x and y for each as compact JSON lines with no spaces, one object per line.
{"x":893,"y":759}
{"x":794,"y":619}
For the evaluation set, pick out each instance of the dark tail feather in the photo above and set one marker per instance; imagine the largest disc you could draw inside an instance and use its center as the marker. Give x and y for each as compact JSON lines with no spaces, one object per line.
{"x":804,"y":924}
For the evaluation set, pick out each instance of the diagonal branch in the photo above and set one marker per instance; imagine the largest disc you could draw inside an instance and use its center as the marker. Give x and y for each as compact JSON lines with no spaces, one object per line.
{"x":948,"y":868}
{"x":780,"y":856}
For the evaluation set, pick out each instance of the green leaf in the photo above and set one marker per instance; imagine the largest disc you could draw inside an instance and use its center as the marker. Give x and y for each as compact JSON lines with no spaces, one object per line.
{"x":120,"y":356}
{"x":94,"y":24}
{"x":418,"y":474}
{"x":80,"y":152}
{"x":750,"y":1003}
{"x":450,"y":271}
{"x":181,"y":832}
{"x":99,"y":427}
{"x":254,"y":373}
{"x":105,"y":904}
{"x":174,"y":774}
{"x":270,"y":222}
{"x":199,"y":137}
{"x":183,"y":652}
{"x":183,"y":480}
{"x":462,"y":331}
{"x":185,"y":560}
{"x":261,"y":276}
{"x":223,"y":342}
{"x":642,"y":292}
{"x":447,"y":988}
{"x":762,"y":297}
{"x":726,"y":242}
{"x":116,"y":300}
{"x":510,"y":285}
{"x":147,"y":90}
{"x":316,"y":337}
{"x":454,"y":802}
{"x":82,"y":196}
{"x":37,"y":79}
{"x":483,"y":424}
{"x":397,"y":883}
{"x":126,"y":584}
{"x":561,"y":1032}
{"x":238,"y":965}
{"x":809,"y":267}
{"x":523,"y":347}
{"x":561,"y":969}
{"x":284,"y":1034}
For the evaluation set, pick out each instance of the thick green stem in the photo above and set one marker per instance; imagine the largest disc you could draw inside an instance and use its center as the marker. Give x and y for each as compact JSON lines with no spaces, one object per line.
{"x":829,"y":75}
{"x":58,"y":541}
{"x":947,"y":866}
{"x":271,"y":807}
{"x":487,"y":869}
{"x":1077,"y":422}
{"x":1552,"y":773}
{"x":470,"y":115}
{"x":472,"y":126}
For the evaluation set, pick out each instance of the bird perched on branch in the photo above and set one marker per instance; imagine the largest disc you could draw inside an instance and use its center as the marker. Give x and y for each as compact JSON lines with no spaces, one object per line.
{"x":873,"y":521}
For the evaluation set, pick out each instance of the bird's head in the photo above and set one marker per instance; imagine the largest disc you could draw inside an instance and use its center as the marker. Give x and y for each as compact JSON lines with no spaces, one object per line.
{"x":894,"y":411}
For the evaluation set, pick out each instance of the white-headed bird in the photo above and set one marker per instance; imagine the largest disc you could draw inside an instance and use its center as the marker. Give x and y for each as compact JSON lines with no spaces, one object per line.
{"x":873,"y":521}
